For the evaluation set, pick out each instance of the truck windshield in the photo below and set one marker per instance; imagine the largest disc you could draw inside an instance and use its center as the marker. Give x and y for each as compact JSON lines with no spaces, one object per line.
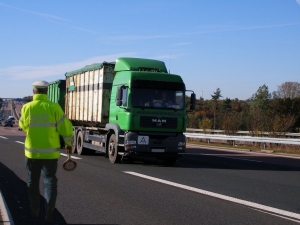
{"x":152,"y":98}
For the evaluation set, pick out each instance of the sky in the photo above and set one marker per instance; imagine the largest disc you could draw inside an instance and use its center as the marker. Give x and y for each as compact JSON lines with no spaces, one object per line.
{"x":234,"y":45}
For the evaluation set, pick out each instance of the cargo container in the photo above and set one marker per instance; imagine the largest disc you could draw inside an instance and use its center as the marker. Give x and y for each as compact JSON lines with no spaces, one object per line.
{"x":57,"y":91}
{"x":131,"y":107}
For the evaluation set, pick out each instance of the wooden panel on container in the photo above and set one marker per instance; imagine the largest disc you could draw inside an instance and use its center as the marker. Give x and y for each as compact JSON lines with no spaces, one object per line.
{"x":81,"y":96}
{"x":86,"y":96}
{"x":77,"y":97}
{"x":90,"y":96}
{"x":100,"y":97}
{"x":96,"y":107}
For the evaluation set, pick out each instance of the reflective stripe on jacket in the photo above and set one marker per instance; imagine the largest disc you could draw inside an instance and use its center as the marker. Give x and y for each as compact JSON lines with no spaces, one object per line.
{"x":44,"y":121}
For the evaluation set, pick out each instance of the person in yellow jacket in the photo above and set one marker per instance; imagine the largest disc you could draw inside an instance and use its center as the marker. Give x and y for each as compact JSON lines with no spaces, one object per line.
{"x":43,"y":121}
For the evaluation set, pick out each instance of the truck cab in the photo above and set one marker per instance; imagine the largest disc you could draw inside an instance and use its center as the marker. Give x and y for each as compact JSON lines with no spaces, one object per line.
{"x":148,"y":105}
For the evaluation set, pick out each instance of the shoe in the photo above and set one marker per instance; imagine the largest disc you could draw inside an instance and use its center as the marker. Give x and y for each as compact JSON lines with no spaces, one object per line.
{"x":49,"y":215}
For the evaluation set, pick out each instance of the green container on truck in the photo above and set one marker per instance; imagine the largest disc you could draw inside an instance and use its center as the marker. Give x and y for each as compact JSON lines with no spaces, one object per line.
{"x":57,"y":91}
{"x":131,"y":107}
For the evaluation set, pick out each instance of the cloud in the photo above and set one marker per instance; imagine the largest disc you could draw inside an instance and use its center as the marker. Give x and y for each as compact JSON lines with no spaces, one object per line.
{"x":51,"y":18}
{"x":298,"y":1}
{"x":36,"y":72}
{"x":44,"y":15}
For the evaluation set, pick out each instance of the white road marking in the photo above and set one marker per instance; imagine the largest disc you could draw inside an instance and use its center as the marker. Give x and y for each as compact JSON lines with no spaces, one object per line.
{"x":3,"y":137}
{"x":20,"y":142}
{"x":73,"y":157}
{"x":284,"y":217}
{"x":254,"y":205}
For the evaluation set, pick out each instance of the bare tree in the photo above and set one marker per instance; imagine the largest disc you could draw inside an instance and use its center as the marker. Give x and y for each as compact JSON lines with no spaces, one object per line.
{"x":287,"y":90}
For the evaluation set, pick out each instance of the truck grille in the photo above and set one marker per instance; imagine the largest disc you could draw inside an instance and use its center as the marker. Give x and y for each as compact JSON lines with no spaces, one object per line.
{"x":155,"y":122}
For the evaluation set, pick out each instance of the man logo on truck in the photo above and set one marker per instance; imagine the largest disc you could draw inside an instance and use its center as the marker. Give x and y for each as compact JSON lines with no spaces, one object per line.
{"x":159,"y":122}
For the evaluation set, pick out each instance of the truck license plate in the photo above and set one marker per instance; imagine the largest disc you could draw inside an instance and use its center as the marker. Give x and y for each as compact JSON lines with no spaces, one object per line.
{"x":143,"y":140}
{"x":157,"y":150}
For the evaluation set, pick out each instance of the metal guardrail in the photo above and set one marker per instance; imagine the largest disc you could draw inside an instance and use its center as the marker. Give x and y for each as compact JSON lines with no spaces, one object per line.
{"x":208,"y":137}
{"x":243,"y":132}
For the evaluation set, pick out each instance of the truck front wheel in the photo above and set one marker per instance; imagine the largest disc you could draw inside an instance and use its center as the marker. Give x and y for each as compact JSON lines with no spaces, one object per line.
{"x":113,"y":155}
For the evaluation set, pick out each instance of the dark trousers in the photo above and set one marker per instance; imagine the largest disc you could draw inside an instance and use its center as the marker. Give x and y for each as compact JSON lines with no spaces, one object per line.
{"x":48,"y":168}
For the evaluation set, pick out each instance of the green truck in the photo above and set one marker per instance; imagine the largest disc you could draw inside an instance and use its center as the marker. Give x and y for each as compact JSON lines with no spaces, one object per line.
{"x":131,"y":107}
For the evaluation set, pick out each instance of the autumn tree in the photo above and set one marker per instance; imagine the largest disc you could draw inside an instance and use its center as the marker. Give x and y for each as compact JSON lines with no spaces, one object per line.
{"x":205,"y":124}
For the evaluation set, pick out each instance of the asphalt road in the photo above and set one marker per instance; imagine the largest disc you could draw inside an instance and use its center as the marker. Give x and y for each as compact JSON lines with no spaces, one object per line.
{"x":206,"y":186}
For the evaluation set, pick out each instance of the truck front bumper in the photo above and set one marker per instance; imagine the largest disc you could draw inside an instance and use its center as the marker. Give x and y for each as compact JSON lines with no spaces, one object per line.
{"x":154,"y":143}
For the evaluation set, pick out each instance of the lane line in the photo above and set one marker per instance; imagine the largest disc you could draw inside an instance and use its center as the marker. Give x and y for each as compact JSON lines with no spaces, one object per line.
{"x":254,"y":205}
{"x":3,"y":137}
{"x":20,"y":142}
{"x":284,"y":217}
{"x":73,"y":157}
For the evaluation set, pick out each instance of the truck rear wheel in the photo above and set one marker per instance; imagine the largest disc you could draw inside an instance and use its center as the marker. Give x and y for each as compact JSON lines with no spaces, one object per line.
{"x":113,"y":155}
{"x":79,"y":144}
{"x":74,"y":144}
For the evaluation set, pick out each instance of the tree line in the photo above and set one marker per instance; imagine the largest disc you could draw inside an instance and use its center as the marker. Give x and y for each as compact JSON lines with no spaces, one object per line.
{"x":277,"y":112}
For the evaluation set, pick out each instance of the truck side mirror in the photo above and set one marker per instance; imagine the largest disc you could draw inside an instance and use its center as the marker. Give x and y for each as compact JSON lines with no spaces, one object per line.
{"x":119,"y":96}
{"x":193,"y":101}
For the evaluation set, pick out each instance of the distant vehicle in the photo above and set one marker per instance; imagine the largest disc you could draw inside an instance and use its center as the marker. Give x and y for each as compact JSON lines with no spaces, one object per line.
{"x":8,"y":122}
{"x":11,"y":118}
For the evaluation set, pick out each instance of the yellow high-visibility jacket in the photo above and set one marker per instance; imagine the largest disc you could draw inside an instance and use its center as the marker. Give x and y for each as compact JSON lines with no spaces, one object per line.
{"x":43,"y":121}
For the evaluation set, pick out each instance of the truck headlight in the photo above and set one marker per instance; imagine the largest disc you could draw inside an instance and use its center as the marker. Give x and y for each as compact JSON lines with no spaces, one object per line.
{"x":130,"y":142}
{"x":181,"y":144}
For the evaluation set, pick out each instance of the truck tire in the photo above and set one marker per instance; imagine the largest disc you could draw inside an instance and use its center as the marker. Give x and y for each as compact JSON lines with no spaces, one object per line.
{"x":113,"y":155}
{"x":74,"y":144}
{"x":79,"y":144}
